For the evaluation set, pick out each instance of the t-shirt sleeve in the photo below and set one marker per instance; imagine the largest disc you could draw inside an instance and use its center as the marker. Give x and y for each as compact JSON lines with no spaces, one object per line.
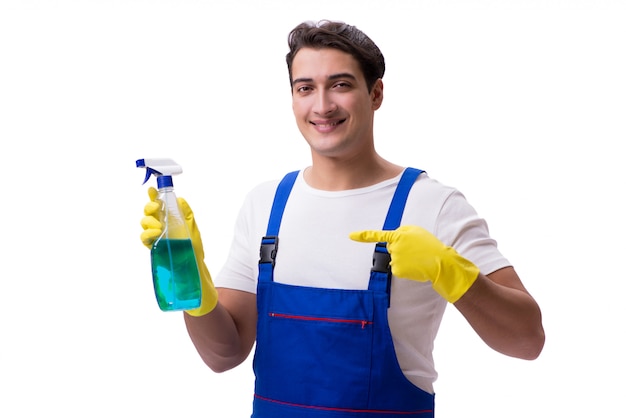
{"x":459,"y":225}
{"x":240,"y":271}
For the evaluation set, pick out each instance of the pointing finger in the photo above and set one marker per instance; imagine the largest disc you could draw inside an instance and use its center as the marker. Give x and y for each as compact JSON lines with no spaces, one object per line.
{"x":371,"y":236}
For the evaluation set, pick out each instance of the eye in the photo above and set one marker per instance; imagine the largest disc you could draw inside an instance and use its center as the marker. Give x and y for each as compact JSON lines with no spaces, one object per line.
{"x":342,"y":85}
{"x":303,"y":89}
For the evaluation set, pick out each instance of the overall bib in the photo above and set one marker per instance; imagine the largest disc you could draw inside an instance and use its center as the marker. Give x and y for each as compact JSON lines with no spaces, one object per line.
{"x":328,"y":353}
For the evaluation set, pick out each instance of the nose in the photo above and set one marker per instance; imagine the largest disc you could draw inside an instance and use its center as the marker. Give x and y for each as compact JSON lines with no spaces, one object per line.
{"x":324,"y":103}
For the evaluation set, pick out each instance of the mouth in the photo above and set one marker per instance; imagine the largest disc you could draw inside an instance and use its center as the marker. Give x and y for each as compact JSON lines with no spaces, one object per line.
{"x":326,"y":125}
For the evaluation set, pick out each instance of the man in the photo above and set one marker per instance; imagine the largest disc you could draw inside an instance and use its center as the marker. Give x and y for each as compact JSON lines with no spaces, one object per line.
{"x":336,"y":334}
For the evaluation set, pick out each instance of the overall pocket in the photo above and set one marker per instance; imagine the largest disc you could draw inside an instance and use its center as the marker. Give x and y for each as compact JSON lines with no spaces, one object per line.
{"x":316,"y":347}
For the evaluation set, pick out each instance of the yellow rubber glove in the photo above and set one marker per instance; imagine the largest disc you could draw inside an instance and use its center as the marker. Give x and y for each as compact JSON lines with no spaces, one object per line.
{"x":417,"y":254}
{"x":153,"y":229}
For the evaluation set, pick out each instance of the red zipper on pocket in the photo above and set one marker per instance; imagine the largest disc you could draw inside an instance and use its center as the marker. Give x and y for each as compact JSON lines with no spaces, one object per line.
{"x":320,"y":319}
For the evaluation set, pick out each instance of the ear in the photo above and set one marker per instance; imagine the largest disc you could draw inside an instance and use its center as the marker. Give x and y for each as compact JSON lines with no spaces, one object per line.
{"x":377,"y":94}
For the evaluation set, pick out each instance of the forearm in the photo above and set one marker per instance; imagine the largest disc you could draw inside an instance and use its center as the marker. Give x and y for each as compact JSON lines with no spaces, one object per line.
{"x":504,"y":315}
{"x":224,"y":337}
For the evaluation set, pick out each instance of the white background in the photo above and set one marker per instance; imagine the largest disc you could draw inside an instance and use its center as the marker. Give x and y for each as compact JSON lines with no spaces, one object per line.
{"x":520,"y":104}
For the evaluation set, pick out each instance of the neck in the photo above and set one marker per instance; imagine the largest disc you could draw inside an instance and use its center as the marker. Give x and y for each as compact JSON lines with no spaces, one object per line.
{"x":334,"y":175}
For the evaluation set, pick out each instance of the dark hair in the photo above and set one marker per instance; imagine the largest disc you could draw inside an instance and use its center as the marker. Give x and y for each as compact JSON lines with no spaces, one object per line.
{"x":338,"y":35}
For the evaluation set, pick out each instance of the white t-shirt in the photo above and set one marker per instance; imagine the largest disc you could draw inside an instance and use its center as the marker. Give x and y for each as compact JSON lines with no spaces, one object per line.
{"x":315,"y":250}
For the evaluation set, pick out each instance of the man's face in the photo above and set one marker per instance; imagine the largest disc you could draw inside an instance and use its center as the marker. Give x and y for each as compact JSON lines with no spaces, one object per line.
{"x":333,"y":108}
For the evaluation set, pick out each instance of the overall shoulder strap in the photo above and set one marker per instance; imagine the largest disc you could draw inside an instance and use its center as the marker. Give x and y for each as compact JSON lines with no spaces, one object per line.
{"x":396,"y":208}
{"x":269,"y":243}
{"x":380,"y":277}
{"x":280,"y":200}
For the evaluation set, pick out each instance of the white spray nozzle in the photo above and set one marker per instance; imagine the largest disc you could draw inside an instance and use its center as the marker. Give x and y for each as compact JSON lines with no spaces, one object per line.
{"x":159,"y":167}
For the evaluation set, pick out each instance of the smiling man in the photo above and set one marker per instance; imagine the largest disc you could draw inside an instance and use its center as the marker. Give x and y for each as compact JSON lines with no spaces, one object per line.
{"x":333,"y":104}
{"x":336,"y":334}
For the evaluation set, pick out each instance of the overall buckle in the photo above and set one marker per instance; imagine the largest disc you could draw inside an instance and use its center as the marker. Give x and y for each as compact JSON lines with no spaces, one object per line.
{"x":269,"y":247}
{"x":381,"y":259}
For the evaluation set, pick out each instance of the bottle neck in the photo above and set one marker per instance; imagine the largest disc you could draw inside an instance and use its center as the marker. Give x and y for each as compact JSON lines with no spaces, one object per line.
{"x":171,"y":216}
{"x":168,"y":189}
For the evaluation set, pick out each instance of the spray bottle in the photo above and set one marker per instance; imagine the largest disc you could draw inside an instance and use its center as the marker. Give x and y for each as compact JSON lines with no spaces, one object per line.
{"x":175,"y":272}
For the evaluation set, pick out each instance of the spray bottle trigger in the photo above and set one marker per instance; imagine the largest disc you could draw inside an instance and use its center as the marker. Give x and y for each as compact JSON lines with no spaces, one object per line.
{"x":150,"y":172}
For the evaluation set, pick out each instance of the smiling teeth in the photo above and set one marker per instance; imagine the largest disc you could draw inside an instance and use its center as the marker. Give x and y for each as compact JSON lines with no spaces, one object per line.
{"x":327,"y":124}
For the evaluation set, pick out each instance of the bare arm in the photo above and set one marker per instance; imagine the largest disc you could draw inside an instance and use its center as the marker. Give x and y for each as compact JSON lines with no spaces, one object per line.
{"x":504,"y":314}
{"x":225,"y":336}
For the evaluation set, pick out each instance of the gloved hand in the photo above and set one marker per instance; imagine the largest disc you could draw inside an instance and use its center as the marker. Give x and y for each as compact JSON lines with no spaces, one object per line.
{"x":153,"y":229}
{"x":417,"y":254}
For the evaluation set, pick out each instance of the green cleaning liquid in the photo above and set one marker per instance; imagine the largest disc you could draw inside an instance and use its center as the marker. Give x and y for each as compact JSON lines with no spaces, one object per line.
{"x":175,"y":275}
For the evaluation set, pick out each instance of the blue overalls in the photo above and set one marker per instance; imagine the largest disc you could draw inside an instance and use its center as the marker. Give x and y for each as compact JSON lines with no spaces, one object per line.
{"x":328,"y":353}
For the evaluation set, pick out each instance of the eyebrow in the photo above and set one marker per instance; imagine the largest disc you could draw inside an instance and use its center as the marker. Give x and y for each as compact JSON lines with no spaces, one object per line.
{"x":330,"y":77}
